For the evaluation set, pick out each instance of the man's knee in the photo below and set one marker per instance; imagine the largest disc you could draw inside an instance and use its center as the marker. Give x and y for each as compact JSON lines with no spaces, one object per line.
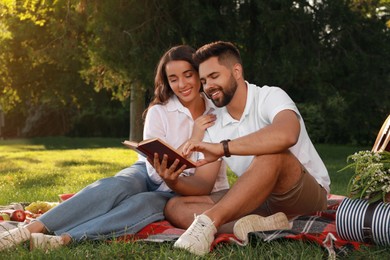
{"x":180,"y":210}
{"x":283,"y":168}
{"x":172,"y":206}
{"x":172,"y":211}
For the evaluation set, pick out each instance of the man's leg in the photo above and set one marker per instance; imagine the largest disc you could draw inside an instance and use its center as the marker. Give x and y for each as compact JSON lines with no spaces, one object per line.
{"x":267,"y":173}
{"x":180,"y":210}
{"x":305,"y":197}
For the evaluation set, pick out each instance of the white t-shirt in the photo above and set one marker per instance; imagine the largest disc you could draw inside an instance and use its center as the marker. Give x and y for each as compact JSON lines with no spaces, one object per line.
{"x":262,"y":105}
{"x":173,"y":123}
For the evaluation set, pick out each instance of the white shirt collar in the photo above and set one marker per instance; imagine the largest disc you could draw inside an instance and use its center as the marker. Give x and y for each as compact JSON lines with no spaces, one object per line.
{"x":174,"y":104}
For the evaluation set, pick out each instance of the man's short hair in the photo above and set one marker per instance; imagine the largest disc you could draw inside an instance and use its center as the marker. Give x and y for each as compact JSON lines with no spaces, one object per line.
{"x":227,"y":53}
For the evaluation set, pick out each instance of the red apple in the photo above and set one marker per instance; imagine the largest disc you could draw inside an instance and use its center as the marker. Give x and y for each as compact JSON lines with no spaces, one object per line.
{"x":65,"y":196}
{"x":18,"y":215}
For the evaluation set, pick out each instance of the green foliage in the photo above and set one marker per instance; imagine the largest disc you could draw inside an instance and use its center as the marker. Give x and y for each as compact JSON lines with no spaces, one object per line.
{"x":44,"y":67}
{"x":332,"y":57}
{"x":325,"y":54}
{"x":103,"y":121}
{"x":315,"y":123}
{"x":130,"y":26}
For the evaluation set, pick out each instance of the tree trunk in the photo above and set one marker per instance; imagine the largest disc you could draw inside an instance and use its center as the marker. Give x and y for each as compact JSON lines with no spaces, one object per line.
{"x":137,"y":106}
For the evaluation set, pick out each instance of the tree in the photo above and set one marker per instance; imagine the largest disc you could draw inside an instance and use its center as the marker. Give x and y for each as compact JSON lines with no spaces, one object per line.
{"x":42,"y":62}
{"x":325,"y":55}
{"x":71,"y":56}
{"x":128,"y":37}
{"x":121,"y":53}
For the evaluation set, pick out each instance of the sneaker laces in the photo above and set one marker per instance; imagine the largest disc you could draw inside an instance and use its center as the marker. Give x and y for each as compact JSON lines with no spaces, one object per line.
{"x":197,"y":230}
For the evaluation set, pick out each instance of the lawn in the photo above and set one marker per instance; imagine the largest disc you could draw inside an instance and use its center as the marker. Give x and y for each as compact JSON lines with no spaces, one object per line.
{"x":40,"y":169}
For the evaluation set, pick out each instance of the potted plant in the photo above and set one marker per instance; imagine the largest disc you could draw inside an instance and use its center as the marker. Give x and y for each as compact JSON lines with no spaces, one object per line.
{"x":371,"y":178}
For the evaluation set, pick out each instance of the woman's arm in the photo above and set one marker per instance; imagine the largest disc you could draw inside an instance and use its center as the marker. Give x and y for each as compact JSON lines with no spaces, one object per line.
{"x":200,"y":125}
{"x":201,"y":183}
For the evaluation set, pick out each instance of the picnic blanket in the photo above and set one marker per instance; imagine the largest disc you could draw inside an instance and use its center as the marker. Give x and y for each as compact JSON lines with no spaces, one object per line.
{"x":318,"y":227}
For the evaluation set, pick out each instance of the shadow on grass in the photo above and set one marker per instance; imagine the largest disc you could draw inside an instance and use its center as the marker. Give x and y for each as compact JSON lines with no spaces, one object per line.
{"x":9,"y":169}
{"x":63,"y":143}
{"x":73,"y":163}
{"x":7,"y":166}
{"x":41,"y":181}
{"x":26,"y":159}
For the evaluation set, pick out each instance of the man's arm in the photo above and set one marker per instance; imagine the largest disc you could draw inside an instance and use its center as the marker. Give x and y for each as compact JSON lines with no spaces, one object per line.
{"x":280,"y":135}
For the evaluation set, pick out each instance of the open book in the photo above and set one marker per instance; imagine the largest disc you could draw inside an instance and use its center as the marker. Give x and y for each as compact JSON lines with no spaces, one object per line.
{"x":148,"y":147}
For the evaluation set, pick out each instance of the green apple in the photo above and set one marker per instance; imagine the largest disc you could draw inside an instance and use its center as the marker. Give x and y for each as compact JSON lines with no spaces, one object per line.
{"x":4,"y":216}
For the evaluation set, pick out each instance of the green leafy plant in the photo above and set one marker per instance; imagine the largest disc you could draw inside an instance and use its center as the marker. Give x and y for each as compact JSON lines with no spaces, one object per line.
{"x":371,"y":179}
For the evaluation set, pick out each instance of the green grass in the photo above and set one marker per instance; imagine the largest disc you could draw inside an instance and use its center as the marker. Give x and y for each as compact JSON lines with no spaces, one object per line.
{"x":335,"y":159}
{"x":40,"y":169}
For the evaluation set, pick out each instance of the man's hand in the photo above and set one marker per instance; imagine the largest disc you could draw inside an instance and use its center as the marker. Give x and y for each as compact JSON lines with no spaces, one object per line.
{"x":212,"y":152}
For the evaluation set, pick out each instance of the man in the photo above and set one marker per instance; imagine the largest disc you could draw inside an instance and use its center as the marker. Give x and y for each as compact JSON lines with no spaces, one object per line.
{"x":261,"y":135}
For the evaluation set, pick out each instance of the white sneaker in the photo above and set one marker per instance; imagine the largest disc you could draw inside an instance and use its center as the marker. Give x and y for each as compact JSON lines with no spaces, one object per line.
{"x":13,"y":237}
{"x":198,"y":237}
{"x":252,"y":223}
{"x":45,"y":242}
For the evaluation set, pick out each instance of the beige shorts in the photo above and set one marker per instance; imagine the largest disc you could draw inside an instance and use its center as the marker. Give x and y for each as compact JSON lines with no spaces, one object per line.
{"x":305,"y":197}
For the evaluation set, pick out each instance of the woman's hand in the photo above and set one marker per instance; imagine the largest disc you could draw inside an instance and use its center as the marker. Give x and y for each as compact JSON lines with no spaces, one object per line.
{"x":201,"y":124}
{"x":169,"y":175}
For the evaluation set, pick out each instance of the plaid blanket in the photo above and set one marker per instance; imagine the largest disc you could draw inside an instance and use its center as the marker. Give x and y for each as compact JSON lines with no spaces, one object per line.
{"x":318,"y":227}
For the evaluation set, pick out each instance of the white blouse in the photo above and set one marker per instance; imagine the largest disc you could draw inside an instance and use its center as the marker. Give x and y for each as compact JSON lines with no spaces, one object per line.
{"x":173,"y":123}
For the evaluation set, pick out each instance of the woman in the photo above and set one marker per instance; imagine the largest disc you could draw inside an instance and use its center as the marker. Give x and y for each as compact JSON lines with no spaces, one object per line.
{"x":136,"y":196}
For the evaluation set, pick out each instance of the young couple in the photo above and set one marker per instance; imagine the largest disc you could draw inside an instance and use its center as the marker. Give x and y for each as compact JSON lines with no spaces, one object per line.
{"x":257,"y":131}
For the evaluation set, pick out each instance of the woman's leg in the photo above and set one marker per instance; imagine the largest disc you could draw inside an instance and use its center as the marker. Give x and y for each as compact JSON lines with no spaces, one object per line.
{"x":128,"y":217}
{"x":96,"y":199}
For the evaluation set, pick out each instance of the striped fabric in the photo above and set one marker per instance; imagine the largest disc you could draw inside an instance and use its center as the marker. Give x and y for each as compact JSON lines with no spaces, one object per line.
{"x":319,"y":227}
{"x":357,"y":220}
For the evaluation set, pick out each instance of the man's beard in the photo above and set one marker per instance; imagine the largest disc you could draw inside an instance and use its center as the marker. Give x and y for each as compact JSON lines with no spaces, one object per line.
{"x":227,"y":94}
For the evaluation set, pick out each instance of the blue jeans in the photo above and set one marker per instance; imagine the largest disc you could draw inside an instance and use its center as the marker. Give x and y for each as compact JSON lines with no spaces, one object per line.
{"x":109,"y":207}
